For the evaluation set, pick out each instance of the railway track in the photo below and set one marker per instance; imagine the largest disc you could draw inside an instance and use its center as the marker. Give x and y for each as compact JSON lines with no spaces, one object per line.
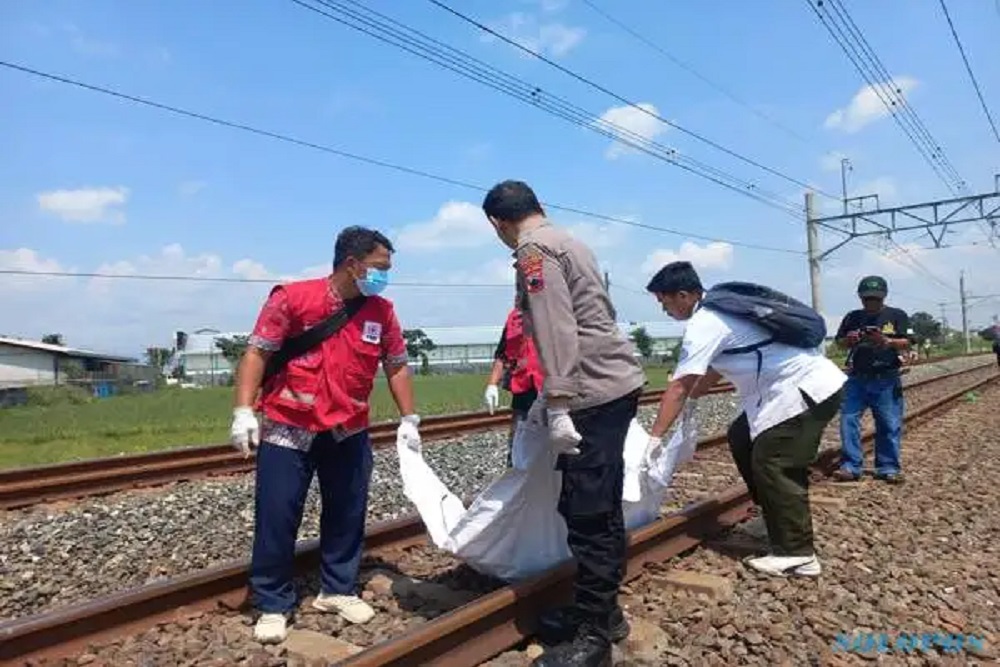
{"x":465,"y":635}
{"x":23,"y":487}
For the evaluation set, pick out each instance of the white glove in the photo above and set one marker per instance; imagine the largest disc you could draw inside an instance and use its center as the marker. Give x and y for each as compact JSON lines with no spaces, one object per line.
{"x":245,"y":431}
{"x":653,"y":449}
{"x":562,"y":432}
{"x":408,"y":431}
{"x":492,"y":397}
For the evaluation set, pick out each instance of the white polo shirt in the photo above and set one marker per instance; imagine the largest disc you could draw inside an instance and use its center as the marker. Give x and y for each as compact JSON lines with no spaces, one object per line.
{"x":773,"y":396}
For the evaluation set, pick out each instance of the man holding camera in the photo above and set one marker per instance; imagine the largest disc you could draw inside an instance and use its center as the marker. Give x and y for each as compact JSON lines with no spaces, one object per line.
{"x":876,"y":336}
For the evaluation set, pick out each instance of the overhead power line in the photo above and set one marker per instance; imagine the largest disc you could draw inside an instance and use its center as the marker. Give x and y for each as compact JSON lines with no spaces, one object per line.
{"x":214,"y":279}
{"x":390,"y":31}
{"x":849,"y":37}
{"x":968,"y":68}
{"x":372,"y":161}
{"x":601,"y":88}
{"x":687,"y":67}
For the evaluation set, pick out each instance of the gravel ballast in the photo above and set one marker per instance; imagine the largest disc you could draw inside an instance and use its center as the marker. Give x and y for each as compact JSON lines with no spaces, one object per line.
{"x":53,"y":556}
{"x":914,"y":558}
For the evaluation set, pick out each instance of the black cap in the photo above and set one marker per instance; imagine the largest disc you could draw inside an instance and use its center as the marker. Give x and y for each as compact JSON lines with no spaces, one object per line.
{"x":873,"y":286}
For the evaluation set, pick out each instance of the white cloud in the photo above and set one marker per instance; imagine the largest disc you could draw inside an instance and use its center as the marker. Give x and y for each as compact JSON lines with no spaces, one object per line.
{"x":457,"y":224}
{"x":714,"y":255}
{"x":883,"y":186}
{"x":86,"y":204}
{"x":552,"y":39}
{"x":191,"y":188}
{"x":866,"y":107}
{"x":630,"y":121}
{"x":127,"y":315}
{"x":598,"y":236}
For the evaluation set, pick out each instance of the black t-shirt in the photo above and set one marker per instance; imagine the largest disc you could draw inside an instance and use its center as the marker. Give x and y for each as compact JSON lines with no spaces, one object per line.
{"x":501,"y":351}
{"x":866,"y":357}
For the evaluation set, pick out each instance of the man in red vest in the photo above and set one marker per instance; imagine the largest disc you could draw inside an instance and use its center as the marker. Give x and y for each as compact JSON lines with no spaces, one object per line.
{"x":315,"y":420}
{"x":516,"y":353}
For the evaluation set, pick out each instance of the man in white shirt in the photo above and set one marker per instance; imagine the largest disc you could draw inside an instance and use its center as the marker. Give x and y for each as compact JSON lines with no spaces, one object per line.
{"x":788,"y":394}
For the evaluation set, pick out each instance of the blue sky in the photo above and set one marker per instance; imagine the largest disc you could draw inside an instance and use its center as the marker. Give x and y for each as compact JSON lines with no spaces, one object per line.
{"x":91,"y":183}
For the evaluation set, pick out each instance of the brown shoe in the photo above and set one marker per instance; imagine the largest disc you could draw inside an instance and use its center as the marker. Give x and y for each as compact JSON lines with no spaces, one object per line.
{"x":891,"y":478}
{"x":842,"y":475}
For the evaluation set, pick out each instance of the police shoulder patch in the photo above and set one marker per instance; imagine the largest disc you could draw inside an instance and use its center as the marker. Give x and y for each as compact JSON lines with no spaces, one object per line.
{"x":529,"y":265}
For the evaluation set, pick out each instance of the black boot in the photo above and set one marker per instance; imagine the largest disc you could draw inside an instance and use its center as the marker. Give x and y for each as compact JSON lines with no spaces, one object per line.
{"x":586,"y":650}
{"x":559,"y":625}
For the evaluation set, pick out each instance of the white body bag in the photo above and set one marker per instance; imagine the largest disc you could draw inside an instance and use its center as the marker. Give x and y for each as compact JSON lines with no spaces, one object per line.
{"x":512,"y":529}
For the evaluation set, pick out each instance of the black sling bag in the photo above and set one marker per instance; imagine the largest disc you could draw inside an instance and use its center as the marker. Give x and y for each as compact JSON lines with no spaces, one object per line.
{"x":311,"y":337}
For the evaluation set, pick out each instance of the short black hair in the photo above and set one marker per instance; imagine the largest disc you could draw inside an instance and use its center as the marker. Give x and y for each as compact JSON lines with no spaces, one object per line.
{"x":511,"y":201}
{"x":675,"y":277}
{"x":358,"y":242}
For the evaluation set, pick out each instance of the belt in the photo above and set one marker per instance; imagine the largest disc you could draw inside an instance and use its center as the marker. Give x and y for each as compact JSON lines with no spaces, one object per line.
{"x":876,"y":375}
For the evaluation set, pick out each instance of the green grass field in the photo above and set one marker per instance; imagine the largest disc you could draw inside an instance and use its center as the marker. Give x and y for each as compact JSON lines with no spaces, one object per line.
{"x":64,"y":431}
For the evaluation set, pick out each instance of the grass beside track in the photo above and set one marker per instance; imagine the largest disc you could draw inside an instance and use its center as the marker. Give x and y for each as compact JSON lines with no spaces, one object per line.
{"x":171,"y":417}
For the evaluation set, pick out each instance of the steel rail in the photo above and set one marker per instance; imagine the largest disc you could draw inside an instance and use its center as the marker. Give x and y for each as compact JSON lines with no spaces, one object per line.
{"x":496,"y":621}
{"x":24,"y":487}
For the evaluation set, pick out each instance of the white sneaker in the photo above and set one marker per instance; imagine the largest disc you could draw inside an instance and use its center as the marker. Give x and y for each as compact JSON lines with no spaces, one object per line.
{"x":271,"y":629}
{"x":350,"y":607}
{"x":784,"y":566}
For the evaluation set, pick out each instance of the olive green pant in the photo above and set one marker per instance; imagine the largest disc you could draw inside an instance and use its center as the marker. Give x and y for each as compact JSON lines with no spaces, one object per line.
{"x":775,"y":467}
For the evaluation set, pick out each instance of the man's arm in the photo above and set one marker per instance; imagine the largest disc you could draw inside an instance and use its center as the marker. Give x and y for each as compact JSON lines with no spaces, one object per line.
{"x":269,"y":332}
{"x":672,"y":402}
{"x":249,"y":375}
{"x":844,"y":337}
{"x":708,"y":380}
{"x":394,"y":363}
{"x":901,"y":340}
{"x":400,"y":386}
{"x":702,"y":341}
{"x":496,"y":373}
{"x":554,"y":328}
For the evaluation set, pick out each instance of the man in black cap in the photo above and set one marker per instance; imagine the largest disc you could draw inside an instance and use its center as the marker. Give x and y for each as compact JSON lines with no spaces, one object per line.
{"x":876,"y":335}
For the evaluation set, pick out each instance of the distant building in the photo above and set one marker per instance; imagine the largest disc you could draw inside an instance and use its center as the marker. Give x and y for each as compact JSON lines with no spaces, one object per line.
{"x":201,"y":358}
{"x":457,"y":349}
{"x":29,"y":363}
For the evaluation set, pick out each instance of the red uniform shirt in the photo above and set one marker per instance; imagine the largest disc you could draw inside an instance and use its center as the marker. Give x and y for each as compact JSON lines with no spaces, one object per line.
{"x":327,"y":388}
{"x":519,"y":351}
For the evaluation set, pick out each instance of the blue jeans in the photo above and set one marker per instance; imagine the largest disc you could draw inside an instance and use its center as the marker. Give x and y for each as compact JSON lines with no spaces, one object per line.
{"x":283,"y":478}
{"x":885,"y":397}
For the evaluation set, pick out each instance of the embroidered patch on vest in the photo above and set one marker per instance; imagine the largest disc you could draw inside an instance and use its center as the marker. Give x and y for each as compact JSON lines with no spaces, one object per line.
{"x":530,"y":266}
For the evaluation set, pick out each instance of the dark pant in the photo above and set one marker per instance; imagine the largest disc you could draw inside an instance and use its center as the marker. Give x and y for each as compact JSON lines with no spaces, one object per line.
{"x":283,"y":477}
{"x":591,"y":504}
{"x":775,"y":467}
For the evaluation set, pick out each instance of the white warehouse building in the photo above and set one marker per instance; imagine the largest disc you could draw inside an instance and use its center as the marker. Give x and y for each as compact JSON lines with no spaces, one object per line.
{"x":456,"y":349}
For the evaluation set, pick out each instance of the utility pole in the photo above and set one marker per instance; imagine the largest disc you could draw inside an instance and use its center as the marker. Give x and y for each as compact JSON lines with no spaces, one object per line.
{"x":607,"y":282}
{"x":965,"y":316}
{"x":845,"y":164}
{"x":812,"y":243}
{"x":944,"y":318}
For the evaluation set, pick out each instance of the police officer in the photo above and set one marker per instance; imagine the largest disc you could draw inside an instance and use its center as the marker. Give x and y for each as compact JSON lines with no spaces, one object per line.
{"x":589,"y":397}
{"x":315,"y":420}
{"x":876,"y":335}
{"x":515,"y":361}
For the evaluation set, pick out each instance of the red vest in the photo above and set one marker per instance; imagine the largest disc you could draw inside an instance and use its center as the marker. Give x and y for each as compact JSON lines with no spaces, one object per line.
{"x":520,"y":349}
{"x":328,"y":386}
